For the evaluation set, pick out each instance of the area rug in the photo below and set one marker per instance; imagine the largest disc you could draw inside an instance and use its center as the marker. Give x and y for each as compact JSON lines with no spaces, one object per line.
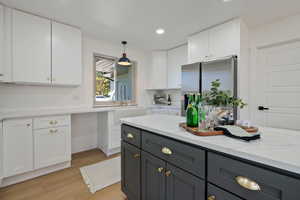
{"x":102,"y":174}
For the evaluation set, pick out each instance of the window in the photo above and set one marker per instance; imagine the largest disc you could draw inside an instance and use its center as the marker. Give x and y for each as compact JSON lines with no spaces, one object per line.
{"x":114,"y":84}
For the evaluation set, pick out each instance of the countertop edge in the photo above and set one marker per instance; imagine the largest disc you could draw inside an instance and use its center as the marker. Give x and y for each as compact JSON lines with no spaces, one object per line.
{"x":60,"y":111}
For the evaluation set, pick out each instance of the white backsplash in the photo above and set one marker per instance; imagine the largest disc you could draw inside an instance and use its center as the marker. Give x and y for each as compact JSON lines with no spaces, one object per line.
{"x":173,"y":109}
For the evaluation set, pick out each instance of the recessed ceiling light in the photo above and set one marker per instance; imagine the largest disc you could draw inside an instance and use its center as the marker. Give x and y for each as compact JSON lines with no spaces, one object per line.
{"x":227,"y":1}
{"x":160,"y":31}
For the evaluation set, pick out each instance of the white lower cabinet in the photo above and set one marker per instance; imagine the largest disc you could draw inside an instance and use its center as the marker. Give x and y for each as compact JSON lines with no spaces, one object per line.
{"x":51,"y":146}
{"x":27,"y":148}
{"x":1,"y":152}
{"x":17,"y":146}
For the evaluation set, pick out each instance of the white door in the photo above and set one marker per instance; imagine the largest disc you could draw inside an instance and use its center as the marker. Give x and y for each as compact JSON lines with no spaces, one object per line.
{"x":176,"y":58}
{"x":198,"y":47}
{"x":51,"y":146}
{"x":17,"y":146}
{"x":278,"y":86}
{"x":224,"y":40}
{"x":66,"y":55}
{"x":1,"y":42}
{"x":31,"y":40}
{"x":1,"y":152}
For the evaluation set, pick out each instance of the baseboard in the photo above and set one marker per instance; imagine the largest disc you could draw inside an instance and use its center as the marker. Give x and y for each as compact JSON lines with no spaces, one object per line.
{"x":113,"y":151}
{"x":33,"y":174}
{"x":109,"y":152}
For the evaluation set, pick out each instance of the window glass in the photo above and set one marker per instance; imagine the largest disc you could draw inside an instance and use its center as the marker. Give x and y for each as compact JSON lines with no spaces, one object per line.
{"x":114,"y":84}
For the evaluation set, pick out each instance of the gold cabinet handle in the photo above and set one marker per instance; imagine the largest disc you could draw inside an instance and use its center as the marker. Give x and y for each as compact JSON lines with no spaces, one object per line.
{"x":160,"y":170}
{"x":168,"y":173}
{"x":53,"y":131}
{"x":28,"y":125}
{"x":136,"y":155}
{"x":130,"y":136}
{"x":247,"y":183}
{"x":211,"y":197}
{"x":51,"y":122}
{"x":166,"y":151}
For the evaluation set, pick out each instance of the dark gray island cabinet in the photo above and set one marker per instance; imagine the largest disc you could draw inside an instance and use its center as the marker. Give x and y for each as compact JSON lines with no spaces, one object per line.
{"x":155,"y":167}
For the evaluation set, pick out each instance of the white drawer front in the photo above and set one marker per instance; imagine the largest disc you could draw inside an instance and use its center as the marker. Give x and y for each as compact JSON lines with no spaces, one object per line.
{"x":51,"y":121}
{"x":52,"y":146}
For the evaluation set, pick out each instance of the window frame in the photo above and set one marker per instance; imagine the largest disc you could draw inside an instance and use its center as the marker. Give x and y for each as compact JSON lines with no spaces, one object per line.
{"x":114,"y":103}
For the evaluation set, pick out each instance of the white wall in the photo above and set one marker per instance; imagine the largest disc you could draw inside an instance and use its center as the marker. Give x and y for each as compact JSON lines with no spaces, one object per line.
{"x":84,"y":126}
{"x":280,"y":31}
{"x":28,"y":97}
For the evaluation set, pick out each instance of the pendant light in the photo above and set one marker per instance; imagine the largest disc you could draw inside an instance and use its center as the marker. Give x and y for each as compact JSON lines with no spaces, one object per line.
{"x":124,"y":61}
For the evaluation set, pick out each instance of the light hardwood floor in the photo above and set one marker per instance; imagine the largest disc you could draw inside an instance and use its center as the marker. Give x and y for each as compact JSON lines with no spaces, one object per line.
{"x":66,"y":184}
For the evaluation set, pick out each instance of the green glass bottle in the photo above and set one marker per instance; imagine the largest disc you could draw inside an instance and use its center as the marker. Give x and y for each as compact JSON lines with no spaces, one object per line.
{"x":192,"y":116}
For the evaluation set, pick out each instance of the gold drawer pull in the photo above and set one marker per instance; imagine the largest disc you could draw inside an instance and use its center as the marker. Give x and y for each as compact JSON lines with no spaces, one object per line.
{"x":51,"y":122}
{"x":136,"y":155}
{"x":130,"y":136}
{"x":166,"y":151}
{"x":247,"y":183}
{"x":211,"y":197}
{"x":53,"y":131}
{"x":160,"y":170}
{"x":168,"y":173}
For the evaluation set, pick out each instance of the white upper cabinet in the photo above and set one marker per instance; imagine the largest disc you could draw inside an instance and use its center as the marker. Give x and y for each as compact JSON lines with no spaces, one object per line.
{"x":176,"y":58}
{"x":31,"y":47}
{"x":1,"y":42}
{"x":66,"y":55}
{"x":224,"y":40}
{"x":17,"y":146}
{"x":220,"y":41}
{"x":158,"y":73}
{"x":198,"y":47}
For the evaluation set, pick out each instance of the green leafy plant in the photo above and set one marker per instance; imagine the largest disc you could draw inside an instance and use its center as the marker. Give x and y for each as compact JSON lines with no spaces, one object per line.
{"x":217,"y":97}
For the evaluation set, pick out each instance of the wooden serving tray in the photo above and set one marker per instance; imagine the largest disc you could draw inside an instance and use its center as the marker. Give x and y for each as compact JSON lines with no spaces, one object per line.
{"x":200,"y":132}
{"x":251,"y":129}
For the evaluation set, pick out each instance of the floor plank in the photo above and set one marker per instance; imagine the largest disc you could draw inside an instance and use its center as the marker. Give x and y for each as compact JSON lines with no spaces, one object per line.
{"x":66,"y":184}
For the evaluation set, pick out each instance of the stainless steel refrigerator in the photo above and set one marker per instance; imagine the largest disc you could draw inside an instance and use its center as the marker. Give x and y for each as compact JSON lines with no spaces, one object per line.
{"x":197,"y":78}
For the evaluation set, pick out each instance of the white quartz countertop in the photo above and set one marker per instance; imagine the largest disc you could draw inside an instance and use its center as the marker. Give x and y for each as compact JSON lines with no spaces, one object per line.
{"x":277,"y":148}
{"x":10,"y":114}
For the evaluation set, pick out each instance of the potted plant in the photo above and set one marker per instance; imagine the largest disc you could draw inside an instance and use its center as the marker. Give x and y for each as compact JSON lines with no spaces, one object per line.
{"x":220,"y":104}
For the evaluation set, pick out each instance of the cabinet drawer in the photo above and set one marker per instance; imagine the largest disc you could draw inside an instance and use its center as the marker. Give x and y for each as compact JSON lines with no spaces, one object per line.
{"x":51,"y":121}
{"x":234,"y":175}
{"x":131,"y":135}
{"x":184,"y":156}
{"x":51,"y":146}
{"x":215,"y":193}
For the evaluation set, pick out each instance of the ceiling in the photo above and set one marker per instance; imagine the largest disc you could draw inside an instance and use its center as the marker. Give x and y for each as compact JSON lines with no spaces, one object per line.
{"x":137,"y":20}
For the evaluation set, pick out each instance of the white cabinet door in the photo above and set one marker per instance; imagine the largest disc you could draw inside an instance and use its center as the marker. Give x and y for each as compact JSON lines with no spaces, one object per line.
{"x":198,"y":47}
{"x":17,"y":146}
{"x":1,"y":42}
{"x":51,"y":146}
{"x":1,"y":153}
{"x":224,"y":40}
{"x":31,"y":40}
{"x":158,"y":77}
{"x":66,"y":55}
{"x":176,"y":58}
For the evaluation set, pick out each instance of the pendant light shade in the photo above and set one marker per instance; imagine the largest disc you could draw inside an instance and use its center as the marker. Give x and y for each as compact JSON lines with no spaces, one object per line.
{"x":124,"y":61}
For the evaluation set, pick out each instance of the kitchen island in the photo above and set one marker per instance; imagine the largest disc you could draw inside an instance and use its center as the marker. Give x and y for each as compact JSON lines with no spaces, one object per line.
{"x":161,"y":161}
